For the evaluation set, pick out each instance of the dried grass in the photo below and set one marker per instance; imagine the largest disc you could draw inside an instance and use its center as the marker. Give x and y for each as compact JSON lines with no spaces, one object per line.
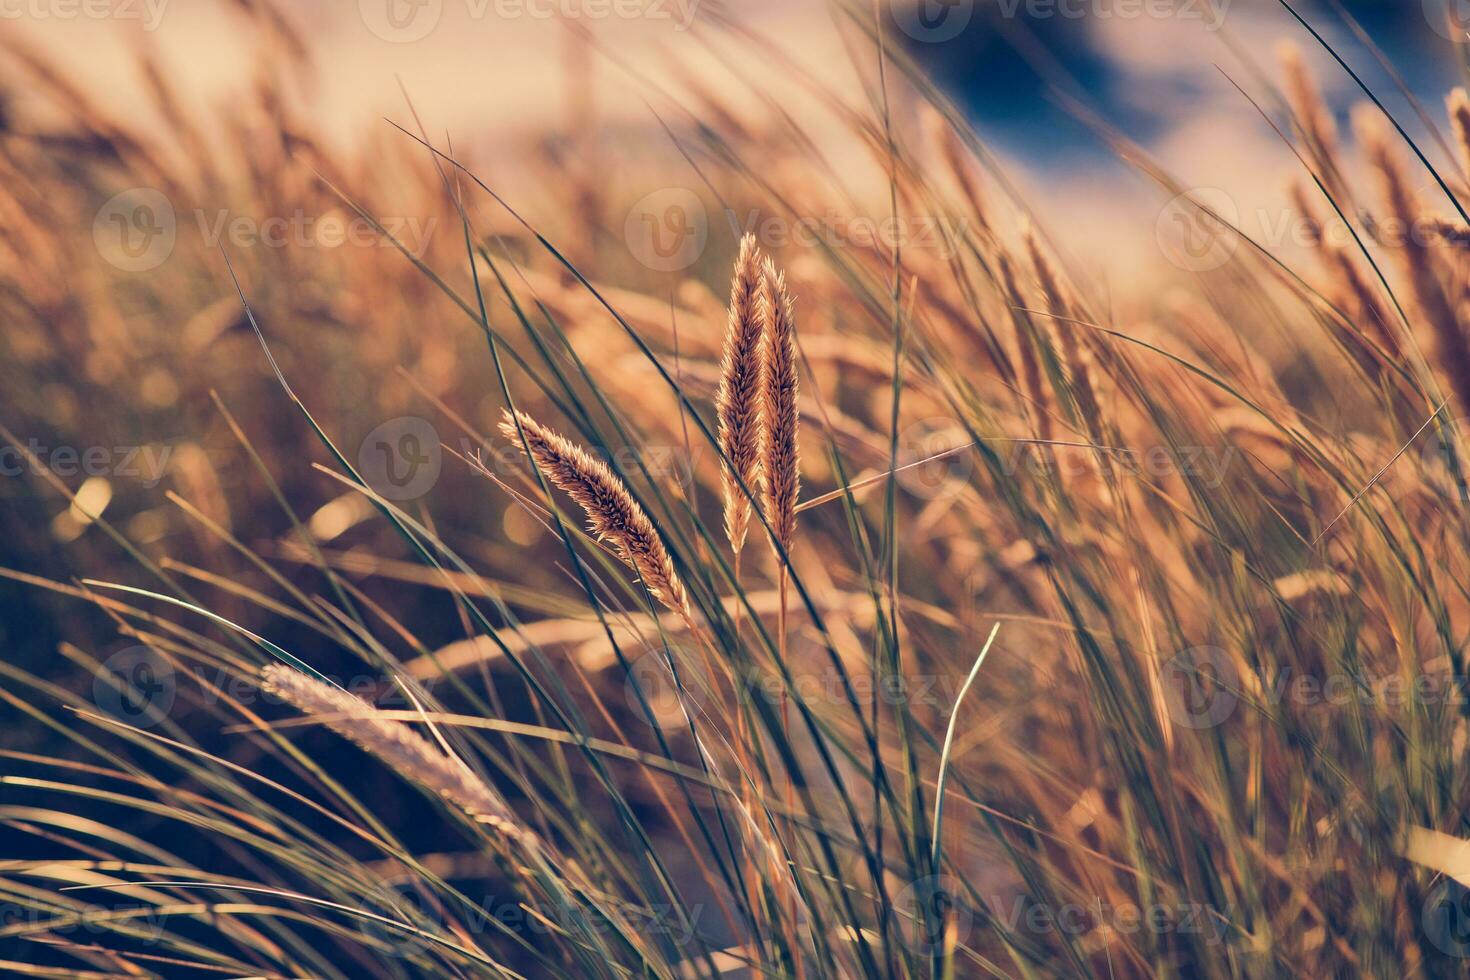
{"x":612,"y":513}
{"x":739,"y":400}
{"x":778,"y":405}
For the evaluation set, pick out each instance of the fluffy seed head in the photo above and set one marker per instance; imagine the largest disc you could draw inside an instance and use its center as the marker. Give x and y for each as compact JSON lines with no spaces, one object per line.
{"x":957,"y":160}
{"x":778,"y":401}
{"x":395,"y":744}
{"x":612,"y":513}
{"x":1394,"y":184}
{"x":1046,"y":274}
{"x":1062,"y":304}
{"x":1314,"y":119}
{"x":1459,"y":106}
{"x":738,"y":402}
{"x":1417,"y":259}
{"x":1306,"y":100}
{"x":1028,"y":342}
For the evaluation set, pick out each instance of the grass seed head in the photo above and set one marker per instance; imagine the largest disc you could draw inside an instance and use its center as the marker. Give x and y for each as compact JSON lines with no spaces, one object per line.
{"x":778,"y":399}
{"x":739,"y":400}
{"x":612,"y":513}
{"x":394,"y":744}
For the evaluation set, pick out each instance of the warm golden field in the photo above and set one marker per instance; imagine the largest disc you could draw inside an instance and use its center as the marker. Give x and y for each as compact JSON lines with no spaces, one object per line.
{"x":869,"y":579}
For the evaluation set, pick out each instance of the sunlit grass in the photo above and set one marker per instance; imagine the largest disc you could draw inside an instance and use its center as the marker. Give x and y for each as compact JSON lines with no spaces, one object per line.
{"x":1152,"y":668}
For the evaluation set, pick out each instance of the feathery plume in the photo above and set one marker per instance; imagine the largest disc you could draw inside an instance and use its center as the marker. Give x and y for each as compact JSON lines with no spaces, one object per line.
{"x":1394,"y":184}
{"x":1314,"y":120}
{"x":1311,"y":219}
{"x":1352,"y":289}
{"x":1459,"y":106}
{"x":738,"y":402}
{"x":1419,"y":262}
{"x":612,"y":513}
{"x":1058,"y":298}
{"x":1046,"y":276}
{"x":1365,"y":298}
{"x":779,"y":445}
{"x":957,"y":160}
{"x":395,"y":744}
{"x":1028,"y":342}
{"x":778,"y":400}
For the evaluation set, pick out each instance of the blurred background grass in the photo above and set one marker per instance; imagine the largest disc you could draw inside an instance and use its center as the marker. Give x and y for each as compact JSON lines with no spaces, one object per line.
{"x":132,"y":149}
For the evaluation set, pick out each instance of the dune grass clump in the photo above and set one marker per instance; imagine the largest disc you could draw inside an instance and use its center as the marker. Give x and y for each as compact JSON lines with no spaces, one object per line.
{"x":1124,"y":632}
